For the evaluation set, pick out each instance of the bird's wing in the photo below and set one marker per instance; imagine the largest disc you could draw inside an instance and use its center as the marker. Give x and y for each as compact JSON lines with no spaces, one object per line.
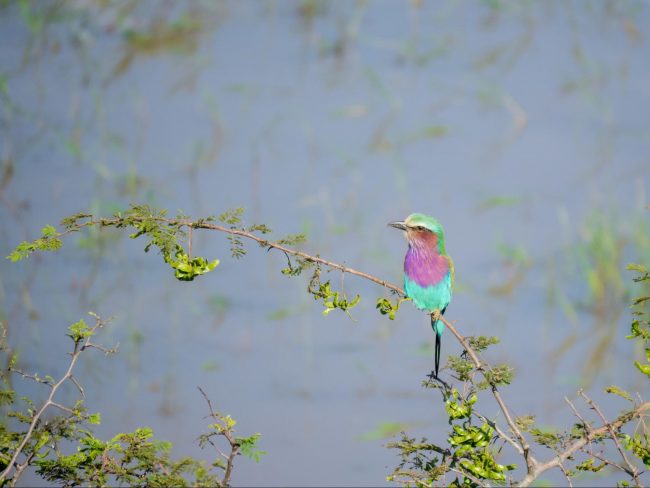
{"x":452,"y":273}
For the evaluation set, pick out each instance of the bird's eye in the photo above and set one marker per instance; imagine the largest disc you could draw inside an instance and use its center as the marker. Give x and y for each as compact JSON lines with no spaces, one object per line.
{"x":421,"y":227}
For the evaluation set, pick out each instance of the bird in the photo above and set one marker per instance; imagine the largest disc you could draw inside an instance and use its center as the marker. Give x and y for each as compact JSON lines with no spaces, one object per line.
{"x":428,"y":270}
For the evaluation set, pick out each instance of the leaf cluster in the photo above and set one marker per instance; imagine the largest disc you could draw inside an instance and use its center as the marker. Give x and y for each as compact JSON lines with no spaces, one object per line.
{"x":50,"y":240}
{"x":223,"y":427}
{"x":468,"y":450}
{"x":387,"y":307}
{"x":465,"y":369}
{"x":639,"y":444}
{"x":299,"y":265}
{"x":166,"y":235}
{"x":153,"y":224}
{"x":640,"y":329}
{"x":234,"y":219}
{"x":501,"y":374}
{"x":333,"y":300}
{"x":293,"y":239}
{"x":64,"y":450}
{"x":132,"y":459}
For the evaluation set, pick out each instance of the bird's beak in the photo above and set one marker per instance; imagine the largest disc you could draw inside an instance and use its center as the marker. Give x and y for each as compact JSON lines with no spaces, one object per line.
{"x":398,"y":225}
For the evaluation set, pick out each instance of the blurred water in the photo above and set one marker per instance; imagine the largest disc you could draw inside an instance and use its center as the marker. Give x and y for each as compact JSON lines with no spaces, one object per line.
{"x":512,"y":123}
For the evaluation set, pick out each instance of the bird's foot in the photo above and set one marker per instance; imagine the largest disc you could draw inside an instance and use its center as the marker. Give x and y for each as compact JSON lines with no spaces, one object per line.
{"x":435,"y":315}
{"x":432,"y":376}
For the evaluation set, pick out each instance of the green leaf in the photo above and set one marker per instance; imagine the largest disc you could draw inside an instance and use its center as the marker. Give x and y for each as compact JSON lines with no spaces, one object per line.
{"x":49,"y":231}
{"x":49,"y":241}
{"x":79,"y":331}
{"x":293,"y":239}
{"x":617,"y":391}
{"x":644,"y":368}
{"x":637,"y":267}
{"x":248,"y":447}
{"x":95,"y":418}
{"x":232,"y":216}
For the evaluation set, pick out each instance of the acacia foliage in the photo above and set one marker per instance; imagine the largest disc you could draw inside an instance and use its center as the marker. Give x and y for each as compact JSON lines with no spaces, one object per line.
{"x":63,"y":449}
{"x":469,"y":455}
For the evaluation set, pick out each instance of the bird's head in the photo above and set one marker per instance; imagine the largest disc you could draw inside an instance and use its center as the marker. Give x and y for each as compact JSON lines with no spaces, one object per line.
{"x":421,"y":230}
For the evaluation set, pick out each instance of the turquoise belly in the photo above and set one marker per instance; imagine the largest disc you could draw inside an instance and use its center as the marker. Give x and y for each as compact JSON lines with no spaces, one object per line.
{"x":429,"y":298}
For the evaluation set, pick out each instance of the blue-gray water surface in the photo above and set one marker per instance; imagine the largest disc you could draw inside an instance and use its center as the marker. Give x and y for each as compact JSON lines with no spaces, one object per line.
{"x":521,"y":126}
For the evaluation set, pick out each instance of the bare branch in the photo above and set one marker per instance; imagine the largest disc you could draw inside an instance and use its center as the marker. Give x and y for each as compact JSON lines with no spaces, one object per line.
{"x":566,"y":475}
{"x":473,"y":478}
{"x":106,"y":350}
{"x":63,"y":407}
{"x":189,"y":240}
{"x":631,"y":469}
{"x":502,"y":434}
{"x":78,"y":385}
{"x":579,"y":443}
{"x":577,"y":414}
{"x":604,"y":459}
{"x":104,"y":222}
{"x":33,"y":377}
{"x":209,"y":402}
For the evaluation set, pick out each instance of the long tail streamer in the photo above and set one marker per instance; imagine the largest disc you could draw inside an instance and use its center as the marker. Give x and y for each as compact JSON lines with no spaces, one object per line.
{"x":438,"y":341}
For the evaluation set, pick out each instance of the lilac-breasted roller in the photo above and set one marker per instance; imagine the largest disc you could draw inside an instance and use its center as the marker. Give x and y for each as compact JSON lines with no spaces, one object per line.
{"x":428,"y":270}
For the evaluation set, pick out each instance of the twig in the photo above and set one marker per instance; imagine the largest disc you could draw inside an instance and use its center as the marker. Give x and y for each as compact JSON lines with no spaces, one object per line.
{"x":78,"y":385}
{"x":502,"y":434}
{"x":631,"y":469}
{"x":20,"y":468}
{"x":108,"y":222}
{"x":105,"y":350}
{"x":33,"y":377}
{"x":293,"y":252}
{"x":189,"y":241}
{"x":566,"y":475}
{"x":603,"y":459}
{"x":577,"y":414}
{"x":227,"y":433}
{"x":473,"y":478}
{"x":63,"y":407}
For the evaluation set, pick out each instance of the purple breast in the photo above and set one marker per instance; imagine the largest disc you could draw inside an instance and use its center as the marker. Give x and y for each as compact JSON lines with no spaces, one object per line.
{"x":425,"y":266}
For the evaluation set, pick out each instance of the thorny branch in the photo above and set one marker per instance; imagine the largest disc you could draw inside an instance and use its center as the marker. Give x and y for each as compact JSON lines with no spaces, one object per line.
{"x":581,"y":442}
{"x":108,"y":222}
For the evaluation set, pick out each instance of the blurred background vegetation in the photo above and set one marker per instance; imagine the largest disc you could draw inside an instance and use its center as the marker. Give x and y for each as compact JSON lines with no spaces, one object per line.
{"x":522,"y":126}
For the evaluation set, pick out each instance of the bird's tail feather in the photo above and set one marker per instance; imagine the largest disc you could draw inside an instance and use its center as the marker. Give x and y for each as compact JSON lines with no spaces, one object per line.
{"x":437,"y":327}
{"x":438,"y":338}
